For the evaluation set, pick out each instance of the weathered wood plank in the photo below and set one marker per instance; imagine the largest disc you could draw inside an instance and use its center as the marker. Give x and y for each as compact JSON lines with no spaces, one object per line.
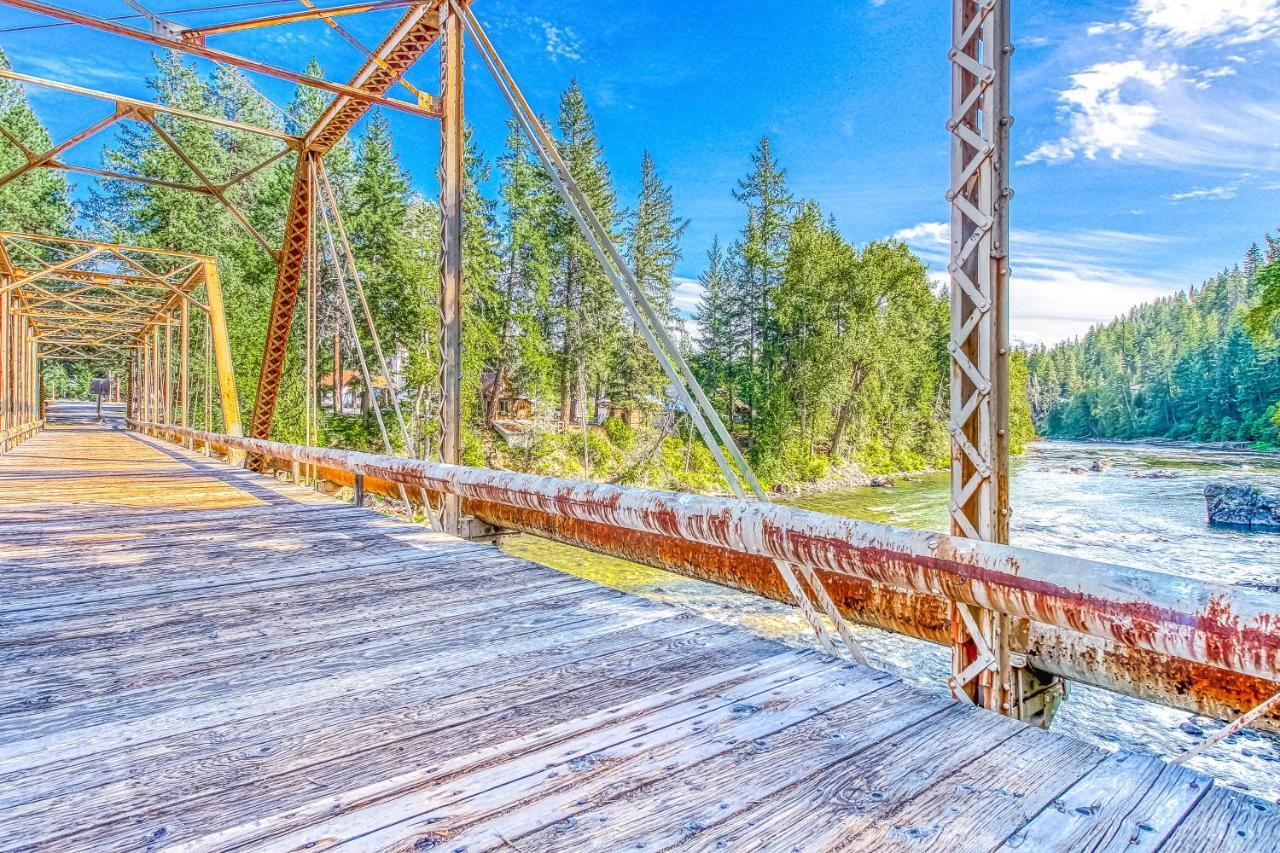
{"x":348,"y":814}
{"x":196,"y":657}
{"x":1226,"y":821}
{"x":98,"y":722}
{"x":1128,"y":802}
{"x":980,"y":804}
{"x":850,"y":797}
{"x":201,"y":797}
{"x":453,"y":672}
{"x":657,"y":813}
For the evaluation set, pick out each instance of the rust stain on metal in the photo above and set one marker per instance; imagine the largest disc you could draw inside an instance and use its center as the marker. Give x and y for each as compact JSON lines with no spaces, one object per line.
{"x":1187,"y":643}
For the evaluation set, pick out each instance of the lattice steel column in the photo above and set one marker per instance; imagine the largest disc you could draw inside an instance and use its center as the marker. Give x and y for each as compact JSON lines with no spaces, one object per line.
{"x":988,"y":668}
{"x":451,"y":218}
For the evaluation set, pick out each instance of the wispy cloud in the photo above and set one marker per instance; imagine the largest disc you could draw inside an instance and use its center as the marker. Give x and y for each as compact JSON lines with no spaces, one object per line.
{"x":1218,"y":193}
{"x":561,"y":42}
{"x":1226,"y":22}
{"x":685,"y":295}
{"x":1108,"y":110}
{"x":67,"y":66}
{"x":1063,"y":282}
{"x":1148,"y":91}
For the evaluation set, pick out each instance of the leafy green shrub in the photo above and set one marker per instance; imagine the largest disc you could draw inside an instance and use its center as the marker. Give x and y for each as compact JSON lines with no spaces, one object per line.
{"x":620,"y":433}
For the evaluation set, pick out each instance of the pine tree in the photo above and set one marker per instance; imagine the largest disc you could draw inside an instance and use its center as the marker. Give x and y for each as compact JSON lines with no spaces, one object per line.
{"x":761,"y":254}
{"x":717,"y":342}
{"x":523,"y":352}
{"x":588,"y":308}
{"x":653,"y":250}
{"x":39,"y":201}
{"x":378,"y":211}
{"x":1252,"y":260}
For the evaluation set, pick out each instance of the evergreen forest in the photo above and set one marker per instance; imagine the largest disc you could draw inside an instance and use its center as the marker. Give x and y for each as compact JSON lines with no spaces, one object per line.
{"x":1200,"y":365}
{"x":818,"y":352}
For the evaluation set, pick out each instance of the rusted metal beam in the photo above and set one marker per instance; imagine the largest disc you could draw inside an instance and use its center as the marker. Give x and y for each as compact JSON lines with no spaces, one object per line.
{"x":197,"y":34}
{"x":292,"y":256}
{"x":135,"y":103}
{"x":1228,"y":628}
{"x":452,"y":143}
{"x":343,"y":91}
{"x":51,"y":155}
{"x":45,"y":240}
{"x":417,"y":29}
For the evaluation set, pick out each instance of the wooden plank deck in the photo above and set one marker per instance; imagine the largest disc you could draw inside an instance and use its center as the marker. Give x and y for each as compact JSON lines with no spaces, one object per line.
{"x":193,"y":657}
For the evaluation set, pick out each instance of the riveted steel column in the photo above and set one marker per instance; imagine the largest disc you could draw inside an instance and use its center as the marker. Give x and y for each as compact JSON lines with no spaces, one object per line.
{"x":451,"y":218}
{"x":222,"y":357}
{"x":989,"y":664}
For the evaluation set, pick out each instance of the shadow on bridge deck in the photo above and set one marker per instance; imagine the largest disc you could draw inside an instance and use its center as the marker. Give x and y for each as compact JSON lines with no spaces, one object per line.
{"x":195,"y":656}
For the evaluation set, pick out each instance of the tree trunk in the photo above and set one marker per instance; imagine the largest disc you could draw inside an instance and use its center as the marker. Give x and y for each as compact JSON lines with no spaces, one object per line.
{"x":337,"y":371}
{"x":846,"y":410}
{"x":504,"y":348}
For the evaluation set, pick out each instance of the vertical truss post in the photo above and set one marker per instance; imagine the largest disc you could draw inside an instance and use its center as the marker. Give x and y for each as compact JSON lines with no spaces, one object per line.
{"x":20,"y":375}
{"x":131,"y":401}
{"x":155,"y":374}
{"x":184,"y":389}
{"x":451,"y":216}
{"x":37,"y":386}
{"x":988,"y":667}
{"x":6,"y":367}
{"x":288,"y":276}
{"x":144,"y":366}
{"x":222,"y":357}
{"x":167,"y":393}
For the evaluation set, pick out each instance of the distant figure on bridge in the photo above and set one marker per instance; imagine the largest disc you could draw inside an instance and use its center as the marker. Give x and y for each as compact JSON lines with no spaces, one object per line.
{"x":99,"y":388}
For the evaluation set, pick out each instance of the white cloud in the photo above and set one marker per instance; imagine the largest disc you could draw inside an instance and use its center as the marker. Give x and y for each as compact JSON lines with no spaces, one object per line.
{"x":1184,"y":22}
{"x":925,"y":232}
{"x":561,"y":42}
{"x":1107,"y":110}
{"x":1147,"y":91}
{"x":1103,"y":28}
{"x":1062,"y":282}
{"x":686,"y":295}
{"x":1204,"y":79}
{"x":1218,"y":193}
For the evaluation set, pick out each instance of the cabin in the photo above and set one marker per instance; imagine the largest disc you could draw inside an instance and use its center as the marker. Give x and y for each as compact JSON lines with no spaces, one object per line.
{"x":511,"y":406}
{"x":352,"y":384}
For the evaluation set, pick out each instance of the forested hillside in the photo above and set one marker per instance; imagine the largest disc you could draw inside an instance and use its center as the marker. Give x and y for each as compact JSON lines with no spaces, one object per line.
{"x":815,"y":351}
{"x":1201,"y":365}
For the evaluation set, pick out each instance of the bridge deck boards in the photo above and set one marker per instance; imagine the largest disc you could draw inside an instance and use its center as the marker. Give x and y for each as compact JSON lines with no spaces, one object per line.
{"x":195,"y":657}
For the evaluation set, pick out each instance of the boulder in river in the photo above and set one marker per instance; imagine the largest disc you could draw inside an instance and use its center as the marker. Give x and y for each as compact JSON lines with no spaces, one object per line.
{"x":1100,"y":465}
{"x":882,"y":481}
{"x":1244,"y":506}
{"x":1158,"y":474}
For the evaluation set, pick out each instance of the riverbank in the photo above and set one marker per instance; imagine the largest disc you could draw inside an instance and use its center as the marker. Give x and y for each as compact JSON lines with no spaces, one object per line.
{"x":660,"y":459}
{"x":1175,"y":443}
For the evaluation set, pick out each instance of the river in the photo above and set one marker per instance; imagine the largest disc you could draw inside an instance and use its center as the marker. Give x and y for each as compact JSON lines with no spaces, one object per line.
{"x":1117,"y":515}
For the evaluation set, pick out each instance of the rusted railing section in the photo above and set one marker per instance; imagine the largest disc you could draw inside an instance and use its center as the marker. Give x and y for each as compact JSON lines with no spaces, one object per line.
{"x":1210,"y":648}
{"x":12,"y":437}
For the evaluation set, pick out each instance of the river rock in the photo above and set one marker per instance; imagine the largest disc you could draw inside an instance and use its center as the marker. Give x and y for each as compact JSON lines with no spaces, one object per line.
{"x":1102,"y":464}
{"x":882,"y":481}
{"x":1244,"y":506}
{"x":1152,"y":475}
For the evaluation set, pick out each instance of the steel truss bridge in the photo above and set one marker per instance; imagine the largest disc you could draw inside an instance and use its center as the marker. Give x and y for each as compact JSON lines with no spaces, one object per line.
{"x":1020,"y":624}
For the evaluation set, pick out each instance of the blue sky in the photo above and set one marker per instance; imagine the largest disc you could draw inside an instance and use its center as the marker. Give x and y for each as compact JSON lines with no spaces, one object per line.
{"x":1146,"y":142}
